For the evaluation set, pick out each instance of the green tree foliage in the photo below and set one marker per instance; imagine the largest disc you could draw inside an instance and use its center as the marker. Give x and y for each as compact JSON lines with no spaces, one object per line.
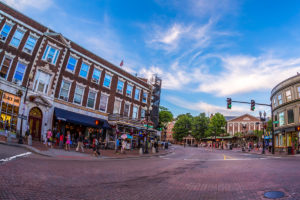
{"x":165,"y":116}
{"x":199,"y":126}
{"x":269,"y":125}
{"x":182,"y":126}
{"x":216,"y":125}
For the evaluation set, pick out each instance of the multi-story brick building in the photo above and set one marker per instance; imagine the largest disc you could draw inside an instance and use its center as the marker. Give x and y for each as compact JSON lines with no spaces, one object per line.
{"x":66,"y":83}
{"x":170,"y":132}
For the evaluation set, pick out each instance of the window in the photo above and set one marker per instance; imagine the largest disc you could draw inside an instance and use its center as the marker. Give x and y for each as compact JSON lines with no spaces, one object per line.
{"x":145,"y":95}
{"x":71,"y":64}
{"x":19,"y":73}
{"x":117,"y":106}
{"x":107,"y":80}
{"x":288,"y":95}
{"x":135,"y":112}
{"x":290,"y":114}
{"x":50,"y":54}
{"x":126,"y":110}
{"x":64,"y":90}
{"x":281,"y":119}
{"x":78,"y":94}
{"x":298,"y":89}
{"x":16,"y":40}
{"x":103,"y":102}
{"x":6,"y":63}
{"x":120,"y":86}
{"x":274,"y":102}
{"x":41,"y":82}
{"x":143,"y":113}
{"x":129,"y":91}
{"x":96,"y":75}
{"x":30,"y":43}
{"x":84,"y":70}
{"x":137,"y":94}
{"x":91,"y":99}
{"x":5,"y":31}
{"x":279,"y":99}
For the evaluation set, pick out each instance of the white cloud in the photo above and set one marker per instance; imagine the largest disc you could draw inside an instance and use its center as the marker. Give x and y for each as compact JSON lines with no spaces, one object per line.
{"x":24,"y":4}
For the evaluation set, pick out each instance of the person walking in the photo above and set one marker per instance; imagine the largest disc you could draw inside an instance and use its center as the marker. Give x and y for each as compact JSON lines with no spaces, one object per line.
{"x":61,"y":141}
{"x":49,"y":138}
{"x":68,"y":141}
{"x":80,"y":142}
{"x":95,"y":145}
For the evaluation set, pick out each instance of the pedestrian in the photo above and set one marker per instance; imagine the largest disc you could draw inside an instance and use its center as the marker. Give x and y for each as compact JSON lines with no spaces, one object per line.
{"x":117,"y":145}
{"x":49,"y":137}
{"x":27,"y":133}
{"x":123,"y":147}
{"x":80,"y":142}
{"x":95,"y":145}
{"x":61,"y":141}
{"x":68,"y":141}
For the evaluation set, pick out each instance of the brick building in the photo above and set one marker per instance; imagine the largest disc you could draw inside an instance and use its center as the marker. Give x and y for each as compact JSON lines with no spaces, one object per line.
{"x":63,"y":80}
{"x":169,"y":133}
{"x":242,"y":124}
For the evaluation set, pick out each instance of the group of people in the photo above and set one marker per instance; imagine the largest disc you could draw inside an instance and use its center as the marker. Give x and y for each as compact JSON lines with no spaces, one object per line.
{"x":55,"y":138}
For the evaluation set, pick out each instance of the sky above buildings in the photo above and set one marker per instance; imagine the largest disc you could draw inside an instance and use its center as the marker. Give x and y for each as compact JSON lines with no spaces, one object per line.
{"x":205,"y":51}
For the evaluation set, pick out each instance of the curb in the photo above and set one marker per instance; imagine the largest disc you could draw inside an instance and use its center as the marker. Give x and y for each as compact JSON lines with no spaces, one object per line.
{"x":138,"y":157}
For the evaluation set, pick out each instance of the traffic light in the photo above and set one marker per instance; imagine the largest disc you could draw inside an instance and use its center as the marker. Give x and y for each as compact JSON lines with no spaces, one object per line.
{"x":228,"y":103}
{"x":252,"y":105}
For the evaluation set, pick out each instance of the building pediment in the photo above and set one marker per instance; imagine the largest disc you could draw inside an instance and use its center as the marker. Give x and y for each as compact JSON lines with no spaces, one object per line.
{"x":244,"y":118}
{"x":59,"y":38}
{"x":39,"y":100}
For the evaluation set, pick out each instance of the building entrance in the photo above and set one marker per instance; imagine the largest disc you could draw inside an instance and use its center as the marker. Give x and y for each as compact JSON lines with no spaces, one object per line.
{"x":35,"y":123}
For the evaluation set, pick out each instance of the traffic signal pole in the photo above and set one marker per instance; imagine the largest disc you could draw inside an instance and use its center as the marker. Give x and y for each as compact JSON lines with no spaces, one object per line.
{"x":261,"y":104}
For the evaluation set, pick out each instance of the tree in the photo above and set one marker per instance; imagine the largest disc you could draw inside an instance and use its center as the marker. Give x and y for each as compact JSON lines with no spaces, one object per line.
{"x":182,"y":127}
{"x":216,"y":125}
{"x":269,"y":125}
{"x":165,"y":116}
{"x":199,"y":126}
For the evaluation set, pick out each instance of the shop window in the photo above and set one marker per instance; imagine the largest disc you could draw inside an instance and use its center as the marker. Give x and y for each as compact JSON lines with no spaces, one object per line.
{"x":84,"y":70}
{"x":5,"y":66}
{"x":5,"y":31}
{"x":107,"y":80}
{"x":117,"y":106}
{"x":103,"y":103}
{"x":279,"y":98}
{"x":137,"y":94}
{"x":42,"y":82}
{"x":78,"y":94}
{"x":50,"y":54}
{"x":71,"y":64}
{"x":281,"y":119}
{"x":19,"y":73}
{"x":288,"y":95}
{"x":29,"y":45}
{"x":129,"y":90}
{"x":289,"y":140}
{"x":145,"y":96}
{"x":135,"y":112}
{"x":64,"y":90}
{"x":290,"y":114}
{"x":16,"y":40}
{"x":120,"y":86}
{"x":91,"y":99}
{"x":126,"y":109}
{"x":96,"y":76}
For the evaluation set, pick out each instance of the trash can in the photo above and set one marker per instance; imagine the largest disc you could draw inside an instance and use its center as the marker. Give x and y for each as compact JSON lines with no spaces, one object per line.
{"x":289,"y":150}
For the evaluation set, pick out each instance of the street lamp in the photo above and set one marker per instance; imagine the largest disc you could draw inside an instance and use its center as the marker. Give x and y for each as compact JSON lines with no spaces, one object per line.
{"x":148,"y":114}
{"x":263,"y":119}
{"x":24,"y":104}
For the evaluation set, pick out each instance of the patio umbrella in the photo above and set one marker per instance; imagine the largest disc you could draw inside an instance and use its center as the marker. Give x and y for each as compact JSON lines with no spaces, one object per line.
{"x":124,"y":136}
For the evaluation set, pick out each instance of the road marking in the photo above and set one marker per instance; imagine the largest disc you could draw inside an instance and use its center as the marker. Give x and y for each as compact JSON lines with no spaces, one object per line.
{"x":14,"y":157}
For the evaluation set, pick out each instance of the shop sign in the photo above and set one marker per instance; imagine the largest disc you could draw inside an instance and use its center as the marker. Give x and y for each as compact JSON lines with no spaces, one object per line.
{"x":275,"y":122}
{"x":11,"y":99}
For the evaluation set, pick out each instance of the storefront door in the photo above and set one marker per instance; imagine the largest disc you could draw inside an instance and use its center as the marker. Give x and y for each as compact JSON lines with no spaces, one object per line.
{"x":35,"y":123}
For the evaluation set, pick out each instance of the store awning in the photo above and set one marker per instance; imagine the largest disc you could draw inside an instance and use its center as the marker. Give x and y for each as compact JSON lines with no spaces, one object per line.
{"x":77,"y":118}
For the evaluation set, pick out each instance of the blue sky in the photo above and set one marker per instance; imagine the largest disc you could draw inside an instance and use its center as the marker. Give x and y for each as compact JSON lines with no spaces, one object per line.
{"x":205,"y":51}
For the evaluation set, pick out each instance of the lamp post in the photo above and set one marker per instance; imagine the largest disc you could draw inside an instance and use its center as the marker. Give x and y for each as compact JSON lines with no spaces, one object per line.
{"x":263,"y":119}
{"x":24,"y":104}
{"x":148,"y":114}
{"x":257,"y":124}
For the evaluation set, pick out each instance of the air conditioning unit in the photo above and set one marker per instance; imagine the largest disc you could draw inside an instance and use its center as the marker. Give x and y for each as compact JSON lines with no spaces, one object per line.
{"x":49,"y":60}
{"x":2,"y":37}
{"x":94,"y":80}
{"x":27,"y":50}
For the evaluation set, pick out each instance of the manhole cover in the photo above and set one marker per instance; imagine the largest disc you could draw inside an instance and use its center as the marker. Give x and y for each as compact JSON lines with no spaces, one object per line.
{"x":274,"y":194}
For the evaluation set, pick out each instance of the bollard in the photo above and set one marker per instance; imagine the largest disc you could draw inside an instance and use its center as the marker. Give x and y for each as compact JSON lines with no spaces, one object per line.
{"x":141,"y":151}
{"x":153,"y":150}
{"x":30,"y":140}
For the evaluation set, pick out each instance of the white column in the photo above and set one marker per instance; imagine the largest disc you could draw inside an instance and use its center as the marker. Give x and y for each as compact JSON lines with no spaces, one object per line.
{"x":233,"y":129}
{"x":239,"y":127}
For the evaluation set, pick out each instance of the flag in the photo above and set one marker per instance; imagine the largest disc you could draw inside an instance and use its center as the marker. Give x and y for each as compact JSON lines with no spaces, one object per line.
{"x":121,"y":64}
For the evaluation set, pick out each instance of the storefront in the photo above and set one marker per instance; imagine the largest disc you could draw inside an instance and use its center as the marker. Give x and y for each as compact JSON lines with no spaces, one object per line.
{"x":9,"y":108}
{"x":287,"y":141}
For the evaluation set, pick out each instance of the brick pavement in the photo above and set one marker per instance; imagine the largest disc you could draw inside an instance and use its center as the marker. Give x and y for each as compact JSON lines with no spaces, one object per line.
{"x":170,"y":177}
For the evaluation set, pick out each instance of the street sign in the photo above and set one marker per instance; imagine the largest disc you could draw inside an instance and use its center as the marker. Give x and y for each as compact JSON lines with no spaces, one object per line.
{"x":22,"y":117}
{"x":275,"y":122}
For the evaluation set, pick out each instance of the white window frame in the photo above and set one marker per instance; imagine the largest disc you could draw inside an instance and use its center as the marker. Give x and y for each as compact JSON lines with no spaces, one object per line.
{"x":283,"y":118}
{"x":286,"y":97}
{"x":119,"y":112}
{"x":36,"y":40}
{"x":56,"y":54}
{"x":37,"y":81}
{"x":126,"y":103}
{"x":280,"y":99}
{"x":63,"y":81}
{"x":137,"y":112}
{"x":20,"y":38}
{"x":94,"y":99}
{"x":74,"y":65}
{"x":141,"y":113}
{"x":98,"y":81}
{"x":21,"y":81}
{"x":275,"y":101}
{"x":131,"y":90}
{"x":11,"y":27}
{"x":9,"y":68}
{"x":87,"y":73}
{"x":120,"y":92}
{"x":79,"y":86}
{"x":107,"y":95}
{"x":106,"y":74}
{"x":139,"y":94}
{"x":146,"y":97}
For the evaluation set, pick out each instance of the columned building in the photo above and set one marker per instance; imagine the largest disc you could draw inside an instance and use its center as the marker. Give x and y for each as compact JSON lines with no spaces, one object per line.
{"x":59,"y":79}
{"x":243,"y":124}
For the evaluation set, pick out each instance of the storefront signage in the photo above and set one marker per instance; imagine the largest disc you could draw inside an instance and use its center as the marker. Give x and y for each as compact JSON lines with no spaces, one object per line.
{"x":275,"y":122}
{"x":11,"y":99}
